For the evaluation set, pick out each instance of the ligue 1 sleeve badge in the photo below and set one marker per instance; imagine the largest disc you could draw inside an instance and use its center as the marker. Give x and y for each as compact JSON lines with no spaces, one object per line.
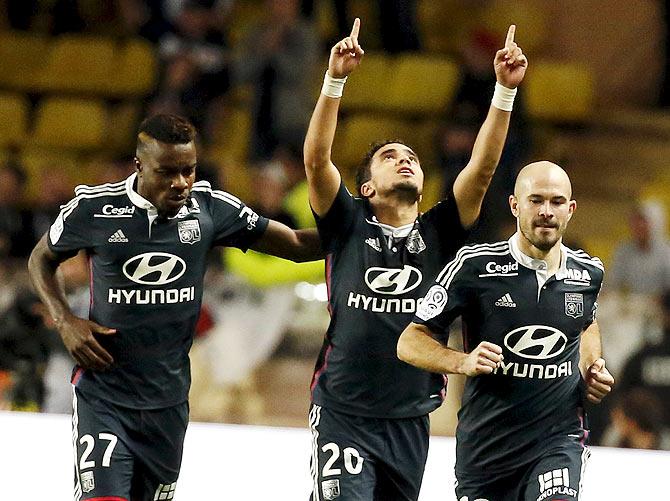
{"x":574,"y":305}
{"x":189,"y":231}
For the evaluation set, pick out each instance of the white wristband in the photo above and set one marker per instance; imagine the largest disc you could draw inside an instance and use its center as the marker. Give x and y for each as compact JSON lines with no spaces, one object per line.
{"x":503,"y":98}
{"x":333,"y":87}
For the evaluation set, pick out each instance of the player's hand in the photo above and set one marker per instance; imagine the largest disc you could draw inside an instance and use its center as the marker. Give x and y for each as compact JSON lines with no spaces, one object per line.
{"x":510,"y":63}
{"x":599,"y":381}
{"x":482,"y":360}
{"x":78,"y":337}
{"x":346,"y":55}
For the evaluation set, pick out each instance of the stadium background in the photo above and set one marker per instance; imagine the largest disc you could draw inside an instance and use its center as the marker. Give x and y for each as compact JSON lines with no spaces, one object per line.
{"x":77,"y":76}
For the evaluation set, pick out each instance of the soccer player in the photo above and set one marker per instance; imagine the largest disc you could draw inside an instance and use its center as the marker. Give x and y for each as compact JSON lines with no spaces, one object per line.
{"x":369,"y":413}
{"x":532,"y":347}
{"x":147,"y":240}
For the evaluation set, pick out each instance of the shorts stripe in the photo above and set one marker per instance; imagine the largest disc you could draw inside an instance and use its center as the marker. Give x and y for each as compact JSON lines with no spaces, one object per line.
{"x":75,"y":436}
{"x":586,"y":454}
{"x":314,"y":419}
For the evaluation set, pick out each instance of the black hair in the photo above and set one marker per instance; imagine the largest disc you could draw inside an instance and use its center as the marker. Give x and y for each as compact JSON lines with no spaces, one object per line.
{"x":363,"y":173}
{"x":170,"y":129}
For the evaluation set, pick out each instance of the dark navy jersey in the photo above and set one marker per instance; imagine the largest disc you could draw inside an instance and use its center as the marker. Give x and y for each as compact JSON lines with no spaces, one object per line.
{"x":535,"y":396}
{"x":376,"y":275}
{"x":147,"y":280}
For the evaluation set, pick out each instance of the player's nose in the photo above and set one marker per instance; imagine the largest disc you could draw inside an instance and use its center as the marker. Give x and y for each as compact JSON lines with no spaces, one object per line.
{"x":179,"y":183}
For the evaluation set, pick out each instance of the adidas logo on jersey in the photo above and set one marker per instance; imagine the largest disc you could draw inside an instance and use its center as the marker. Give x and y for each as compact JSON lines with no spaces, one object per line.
{"x":506,"y":301}
{"x":117,"y":237}
{"x":374,"y":243}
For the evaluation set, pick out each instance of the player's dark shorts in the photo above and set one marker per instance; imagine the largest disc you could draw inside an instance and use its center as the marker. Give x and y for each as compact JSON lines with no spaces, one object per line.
{"x":126,"y":454}
{"x":358,"y":458}
{"x":555,"y":476}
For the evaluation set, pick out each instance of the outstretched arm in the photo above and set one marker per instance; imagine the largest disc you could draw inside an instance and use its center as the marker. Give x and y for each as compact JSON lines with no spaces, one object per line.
{"x":296,"y":245}
{"x":323,"y":178}
{"x":471,"y":184}
{"x":417,"y":346}
{"x":76,"y":333}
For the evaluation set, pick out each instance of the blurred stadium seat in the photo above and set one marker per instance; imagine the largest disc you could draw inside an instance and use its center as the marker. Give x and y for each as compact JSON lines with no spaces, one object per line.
{"x":22,"y":55}
{"x":422,"y":84}
{"x":78,"y":64}
{"x":355,"y":134}
{"x":69,"y":123}
{"x":368,"y":87}
{"x":135,"y":69}
{"x":37,"y":160}
{"x":559,"y":92}
{"x":14,"y":114}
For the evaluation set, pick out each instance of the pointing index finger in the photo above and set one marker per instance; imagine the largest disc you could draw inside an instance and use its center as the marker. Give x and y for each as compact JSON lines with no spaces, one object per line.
{"x":355,"y":29}
{"x":510,"y":35}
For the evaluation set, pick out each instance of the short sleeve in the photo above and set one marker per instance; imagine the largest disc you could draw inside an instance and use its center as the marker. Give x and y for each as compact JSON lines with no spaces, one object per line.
{"x":70,"y":232}
{"x":235,"y":224}
{"x":445,"y":300}
{"x":338,"y":220}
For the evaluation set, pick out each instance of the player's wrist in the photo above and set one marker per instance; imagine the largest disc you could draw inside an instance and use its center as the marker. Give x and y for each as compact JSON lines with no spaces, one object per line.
{"x":333,"y":86}
{"x":503,"y":97}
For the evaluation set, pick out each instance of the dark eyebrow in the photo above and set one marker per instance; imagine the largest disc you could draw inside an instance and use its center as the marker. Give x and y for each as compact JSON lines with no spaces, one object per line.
{"x":393,"y":150}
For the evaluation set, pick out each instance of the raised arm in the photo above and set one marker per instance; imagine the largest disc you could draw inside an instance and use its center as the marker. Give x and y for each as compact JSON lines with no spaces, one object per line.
{"x":323,"y":178}
{"x":296,"y":245}
{"x":599,"y":381}
{"x":77,"y":334}
{"x":417,"y":346}
{"x":471,"y":184}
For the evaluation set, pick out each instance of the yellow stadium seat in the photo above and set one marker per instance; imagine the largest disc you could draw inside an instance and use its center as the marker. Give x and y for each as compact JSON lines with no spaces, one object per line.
{"x":22,"y":56}
{"x":78,"y":63}
{"x":367,"y":87}
{"x":558,"y":91}
{"x":355,"y":135}
{"x":36,"y":160}
{"x":70,"y":123}
{"x":233,"y":132}
{"x":422,"y":84}
{"x":124,"y":118}
{"x":14,"y":110}
{"x":530,"y":17}
{"x":135,"y":69}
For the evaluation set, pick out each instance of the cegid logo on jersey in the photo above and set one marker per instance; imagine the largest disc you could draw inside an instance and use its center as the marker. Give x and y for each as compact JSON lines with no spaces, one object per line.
{"x":388,"y":282}
{"x":535,"y":342}
{"x":153,"y":268}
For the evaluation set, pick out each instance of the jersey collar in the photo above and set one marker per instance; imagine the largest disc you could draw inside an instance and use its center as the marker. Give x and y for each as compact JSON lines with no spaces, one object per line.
{"x":143,"y":203}
{"x":392,"y":231}
{"x":539,"y":265}
{"x":135,"y":197}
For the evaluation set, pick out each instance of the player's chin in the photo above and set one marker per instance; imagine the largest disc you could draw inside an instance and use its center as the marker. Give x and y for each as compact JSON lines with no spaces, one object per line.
{"x":171,"y":206}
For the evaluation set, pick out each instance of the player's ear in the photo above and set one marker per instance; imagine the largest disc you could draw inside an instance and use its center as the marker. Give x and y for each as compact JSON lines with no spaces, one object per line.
{"x":514,"y":205}
{"x":367,"y":190}
{"x":138,"y":164}
{"x":572,"y":206}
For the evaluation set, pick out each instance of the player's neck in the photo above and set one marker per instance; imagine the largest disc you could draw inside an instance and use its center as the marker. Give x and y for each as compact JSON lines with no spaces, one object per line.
{"x":552,"y":256}
{"x":393,"y":213}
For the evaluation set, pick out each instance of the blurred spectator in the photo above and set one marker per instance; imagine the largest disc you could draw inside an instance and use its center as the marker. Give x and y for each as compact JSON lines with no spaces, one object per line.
{"x":195,"y":65}
{"x":15,"y":220}
{"x":398,"y":25}
{"x":146,"y":18}
{"x":642,"y":264}
{"x":278,"y":57}
{"x":25,"y":345}
{"x":637,"y":422}
{"x":269,"y":200}
{"x":20,"y":13}
{"x":54,"y":189}
{"x":649,"y":368}
{"x":471,"y":105}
